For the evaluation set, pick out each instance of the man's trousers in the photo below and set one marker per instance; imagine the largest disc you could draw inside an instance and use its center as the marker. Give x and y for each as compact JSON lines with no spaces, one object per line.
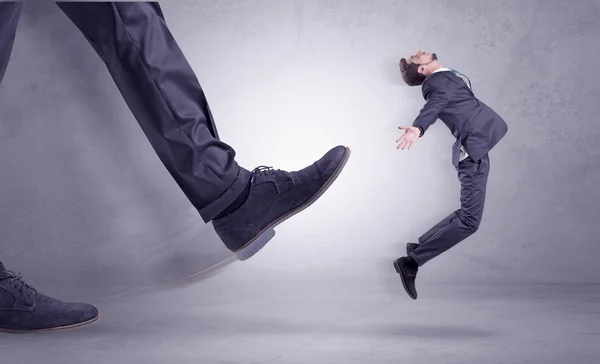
{"x":160,"y":88}
{"x":462,"y":223}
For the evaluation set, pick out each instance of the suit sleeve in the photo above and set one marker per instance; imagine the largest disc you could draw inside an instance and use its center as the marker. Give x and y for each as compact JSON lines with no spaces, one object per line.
{"x":436,"y":101}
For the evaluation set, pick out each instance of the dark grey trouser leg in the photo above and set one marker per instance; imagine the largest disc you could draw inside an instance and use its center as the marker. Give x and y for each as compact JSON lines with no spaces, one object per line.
{"x":162,"y":91}
{"x":10,"y":12}
{"x":462,"y":223}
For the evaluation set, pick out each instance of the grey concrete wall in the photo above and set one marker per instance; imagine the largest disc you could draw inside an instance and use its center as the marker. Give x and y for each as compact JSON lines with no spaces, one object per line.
{"x":87,"y":209}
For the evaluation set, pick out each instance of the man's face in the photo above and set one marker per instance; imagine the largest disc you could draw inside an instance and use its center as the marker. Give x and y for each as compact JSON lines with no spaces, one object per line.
{"x":419,"y":58}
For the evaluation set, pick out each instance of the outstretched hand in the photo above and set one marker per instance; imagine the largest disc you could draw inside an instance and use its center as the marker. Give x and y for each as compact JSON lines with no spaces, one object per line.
{"x":411,"y":134}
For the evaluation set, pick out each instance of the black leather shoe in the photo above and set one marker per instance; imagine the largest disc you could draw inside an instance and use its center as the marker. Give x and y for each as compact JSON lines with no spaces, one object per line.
{"x":275,"y":196}
{"x":23,"y":309}
{"x":408,"y":276}
{"x":410,"y":247}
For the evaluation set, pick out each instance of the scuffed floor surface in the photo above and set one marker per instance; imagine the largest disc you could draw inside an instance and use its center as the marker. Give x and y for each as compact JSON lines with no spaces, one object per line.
{"x":224,"y":319}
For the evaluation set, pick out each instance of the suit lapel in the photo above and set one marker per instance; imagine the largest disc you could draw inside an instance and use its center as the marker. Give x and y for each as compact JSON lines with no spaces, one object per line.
{"x":455,"y":80}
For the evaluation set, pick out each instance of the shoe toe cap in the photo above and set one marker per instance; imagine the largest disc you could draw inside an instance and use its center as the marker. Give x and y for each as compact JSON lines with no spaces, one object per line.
{"x":331,"y":160}
{"x":56,"y":313}
{"x":88,"y":312}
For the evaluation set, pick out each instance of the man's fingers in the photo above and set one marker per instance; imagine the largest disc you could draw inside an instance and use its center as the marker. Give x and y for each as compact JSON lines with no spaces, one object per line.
{"x":404,"y":143}
{"x":403,"y":127}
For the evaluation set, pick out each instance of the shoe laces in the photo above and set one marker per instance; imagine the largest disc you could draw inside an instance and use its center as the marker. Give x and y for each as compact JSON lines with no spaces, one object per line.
{"x":262,"y":170}
{"x":17,"y":282}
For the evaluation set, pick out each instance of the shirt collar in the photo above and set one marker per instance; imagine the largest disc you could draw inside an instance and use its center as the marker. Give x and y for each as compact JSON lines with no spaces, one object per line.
{"x":441,"y":69}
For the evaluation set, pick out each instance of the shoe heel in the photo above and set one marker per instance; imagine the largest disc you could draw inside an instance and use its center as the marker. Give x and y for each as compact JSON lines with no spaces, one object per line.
{"x":255,"y":246}
{"x":397,"y":267}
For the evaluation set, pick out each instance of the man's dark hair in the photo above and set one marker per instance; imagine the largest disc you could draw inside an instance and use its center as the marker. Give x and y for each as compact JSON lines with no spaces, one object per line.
{"x":410,"y":72}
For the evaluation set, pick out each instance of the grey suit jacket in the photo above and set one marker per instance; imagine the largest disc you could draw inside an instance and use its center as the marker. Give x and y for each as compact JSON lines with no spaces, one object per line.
{"x":474,"y":124}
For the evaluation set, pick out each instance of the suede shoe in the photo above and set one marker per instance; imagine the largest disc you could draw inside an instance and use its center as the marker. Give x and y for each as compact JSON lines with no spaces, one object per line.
{"x":275,"y":196}
{"x":23,"y":309}
{"x":408,"y":276}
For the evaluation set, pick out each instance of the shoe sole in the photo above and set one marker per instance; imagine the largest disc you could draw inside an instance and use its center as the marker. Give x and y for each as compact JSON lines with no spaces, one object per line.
{"x":59,"y":328}
{"x":265,"y":235}
{"x":399,"y":271}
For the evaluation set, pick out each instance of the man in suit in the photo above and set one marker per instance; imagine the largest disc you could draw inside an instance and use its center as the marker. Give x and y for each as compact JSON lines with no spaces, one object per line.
{"x":165,"y":97}
{"x":477,"y":129}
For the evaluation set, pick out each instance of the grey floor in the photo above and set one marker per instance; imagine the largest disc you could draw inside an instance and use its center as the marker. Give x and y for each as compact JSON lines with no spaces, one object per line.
{"x":233,"y":317}
{"x":88,"y":212}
